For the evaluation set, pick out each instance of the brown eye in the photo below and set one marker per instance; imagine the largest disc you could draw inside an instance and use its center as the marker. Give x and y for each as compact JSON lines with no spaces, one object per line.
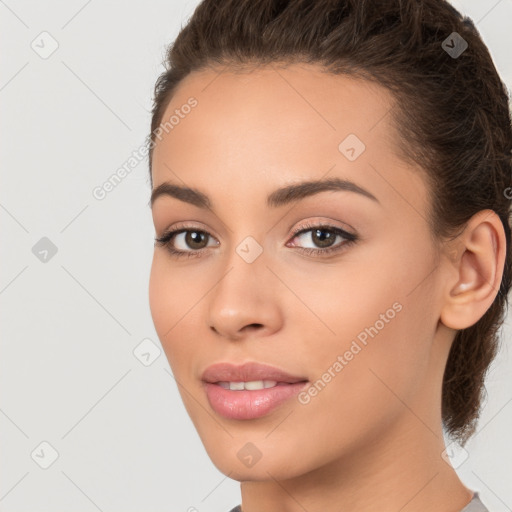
{"x":196,"y":239}
{"x":322,"y":238}
{"x":185,"y":242}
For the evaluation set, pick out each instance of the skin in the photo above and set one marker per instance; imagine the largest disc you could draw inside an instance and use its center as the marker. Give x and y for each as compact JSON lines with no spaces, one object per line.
{"x":372,"y":438}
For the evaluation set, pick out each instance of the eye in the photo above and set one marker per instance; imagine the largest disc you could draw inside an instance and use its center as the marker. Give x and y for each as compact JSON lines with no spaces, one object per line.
{"x":185,"y":241}
{"x":323,"y":238}
{"x":190,"y":241}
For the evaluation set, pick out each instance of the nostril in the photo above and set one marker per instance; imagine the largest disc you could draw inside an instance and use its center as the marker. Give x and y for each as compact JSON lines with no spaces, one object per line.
{"x":253,"y":326}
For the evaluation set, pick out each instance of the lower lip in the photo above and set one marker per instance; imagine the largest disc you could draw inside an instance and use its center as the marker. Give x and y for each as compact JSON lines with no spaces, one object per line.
{"x":249,"y":404}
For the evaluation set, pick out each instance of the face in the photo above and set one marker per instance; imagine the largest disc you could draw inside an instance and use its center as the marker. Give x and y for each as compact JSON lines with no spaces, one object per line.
{"x":337,"y":285}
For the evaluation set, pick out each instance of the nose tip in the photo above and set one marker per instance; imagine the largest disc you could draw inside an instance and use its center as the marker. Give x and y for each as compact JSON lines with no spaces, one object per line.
{"x":244,"y":302}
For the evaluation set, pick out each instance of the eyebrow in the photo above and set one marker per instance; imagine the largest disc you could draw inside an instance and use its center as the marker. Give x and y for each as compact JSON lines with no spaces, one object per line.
{"x":279,"y":197}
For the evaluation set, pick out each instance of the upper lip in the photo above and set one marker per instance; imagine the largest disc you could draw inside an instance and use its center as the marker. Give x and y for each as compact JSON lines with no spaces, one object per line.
{"x":228,"y":372}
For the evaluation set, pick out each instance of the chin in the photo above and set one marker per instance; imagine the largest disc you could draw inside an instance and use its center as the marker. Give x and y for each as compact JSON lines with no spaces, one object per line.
{"x":238,"y":466}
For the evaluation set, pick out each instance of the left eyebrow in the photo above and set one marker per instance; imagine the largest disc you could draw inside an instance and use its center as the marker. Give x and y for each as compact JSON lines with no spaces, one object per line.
{"x":279,"y":197}
{"x":297,"y":191}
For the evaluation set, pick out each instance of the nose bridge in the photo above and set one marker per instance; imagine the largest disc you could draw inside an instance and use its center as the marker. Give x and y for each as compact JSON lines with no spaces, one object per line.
{"x":243,"y":295}
{"x":246,"y":260}
{"x":244,"y":275}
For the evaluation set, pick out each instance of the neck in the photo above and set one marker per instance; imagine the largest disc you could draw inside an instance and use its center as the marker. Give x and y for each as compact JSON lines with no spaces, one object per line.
{"x":402,"y":471}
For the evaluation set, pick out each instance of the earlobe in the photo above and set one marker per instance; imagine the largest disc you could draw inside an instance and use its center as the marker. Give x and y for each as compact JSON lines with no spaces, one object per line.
{"x":478,"y":267}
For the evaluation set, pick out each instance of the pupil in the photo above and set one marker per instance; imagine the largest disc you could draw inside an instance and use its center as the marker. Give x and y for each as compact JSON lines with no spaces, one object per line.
{"x":322,"y":241}
{"x":195,"y":237}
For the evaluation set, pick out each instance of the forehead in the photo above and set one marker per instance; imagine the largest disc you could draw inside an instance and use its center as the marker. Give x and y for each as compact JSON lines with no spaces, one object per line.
{"x":289,"y":104}
{"x":273,"y":101}
{"x":279,"y":123}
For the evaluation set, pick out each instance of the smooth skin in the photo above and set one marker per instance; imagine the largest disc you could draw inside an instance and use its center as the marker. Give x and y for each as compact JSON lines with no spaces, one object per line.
{"x":371,"y":439}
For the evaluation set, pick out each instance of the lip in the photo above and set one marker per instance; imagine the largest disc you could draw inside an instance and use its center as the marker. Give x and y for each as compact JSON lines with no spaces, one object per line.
{"x":246,"y":372}
{"x":249,"y":404}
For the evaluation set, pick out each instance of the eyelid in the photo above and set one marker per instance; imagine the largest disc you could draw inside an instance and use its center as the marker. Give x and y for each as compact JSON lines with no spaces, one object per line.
{"x":308,"y":225}
{"x":345,"y":230}
{"x":188,"y":226}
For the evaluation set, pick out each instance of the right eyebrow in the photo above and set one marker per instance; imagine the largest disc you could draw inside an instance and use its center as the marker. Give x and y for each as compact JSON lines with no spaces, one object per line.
{"x":186,"y":194}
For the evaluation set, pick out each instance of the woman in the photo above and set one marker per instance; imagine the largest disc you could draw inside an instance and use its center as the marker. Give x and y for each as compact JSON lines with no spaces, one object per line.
{"x":332,"y":257}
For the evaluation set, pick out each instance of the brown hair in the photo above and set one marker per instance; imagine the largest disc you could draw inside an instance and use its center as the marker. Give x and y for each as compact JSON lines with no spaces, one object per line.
{"x":453,"y":119}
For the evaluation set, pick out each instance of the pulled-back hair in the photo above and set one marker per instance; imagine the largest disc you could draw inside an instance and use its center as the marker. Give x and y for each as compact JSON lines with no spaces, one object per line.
{"x":452,"y":116}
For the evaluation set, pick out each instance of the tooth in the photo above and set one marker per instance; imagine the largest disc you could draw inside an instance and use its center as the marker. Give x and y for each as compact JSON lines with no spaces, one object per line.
{"x":250,"y":385}
{"x":254,"y":384}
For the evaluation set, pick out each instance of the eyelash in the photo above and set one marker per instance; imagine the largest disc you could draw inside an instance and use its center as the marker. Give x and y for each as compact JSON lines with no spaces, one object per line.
{"x":350,"y":239}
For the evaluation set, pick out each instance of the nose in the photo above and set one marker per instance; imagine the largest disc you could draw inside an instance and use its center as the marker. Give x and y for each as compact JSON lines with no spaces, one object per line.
{"x":245,"y":301}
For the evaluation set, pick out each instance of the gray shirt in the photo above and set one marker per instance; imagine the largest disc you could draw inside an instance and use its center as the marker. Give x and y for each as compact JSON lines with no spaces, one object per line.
{"x":475,"y":505}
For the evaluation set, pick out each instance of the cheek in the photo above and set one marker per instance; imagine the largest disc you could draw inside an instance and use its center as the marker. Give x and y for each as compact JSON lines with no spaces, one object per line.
{"x":159,"y":295}
{"x":170,"y":293}
{"x":166,"y":302}
{"x":360,"y":395}
{"x":175,"y":309}
{"x":376,"y":311}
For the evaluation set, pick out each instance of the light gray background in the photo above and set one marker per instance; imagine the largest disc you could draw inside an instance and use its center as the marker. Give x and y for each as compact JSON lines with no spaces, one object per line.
{"x":68,"y":373}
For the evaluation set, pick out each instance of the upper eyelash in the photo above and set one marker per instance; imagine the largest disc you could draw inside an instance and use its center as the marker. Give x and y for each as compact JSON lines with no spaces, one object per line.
{"x":169,"y":235}
{"x":350,"y":238}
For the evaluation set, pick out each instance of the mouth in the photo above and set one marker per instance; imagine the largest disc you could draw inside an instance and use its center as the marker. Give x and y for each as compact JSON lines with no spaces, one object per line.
{"x":250,"y":390}
{"x":251,"y":385}
{"x":248,"y":372}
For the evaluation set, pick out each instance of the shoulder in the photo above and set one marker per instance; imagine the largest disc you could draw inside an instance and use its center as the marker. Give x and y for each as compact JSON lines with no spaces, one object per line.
{"x":475,"y":505}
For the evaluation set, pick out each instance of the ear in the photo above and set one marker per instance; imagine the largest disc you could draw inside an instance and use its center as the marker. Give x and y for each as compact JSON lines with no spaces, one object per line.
{"x":476,"y":269}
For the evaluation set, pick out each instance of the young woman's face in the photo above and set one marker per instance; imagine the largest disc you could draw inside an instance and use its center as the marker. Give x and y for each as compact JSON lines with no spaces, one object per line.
{"x":353,"y":312}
